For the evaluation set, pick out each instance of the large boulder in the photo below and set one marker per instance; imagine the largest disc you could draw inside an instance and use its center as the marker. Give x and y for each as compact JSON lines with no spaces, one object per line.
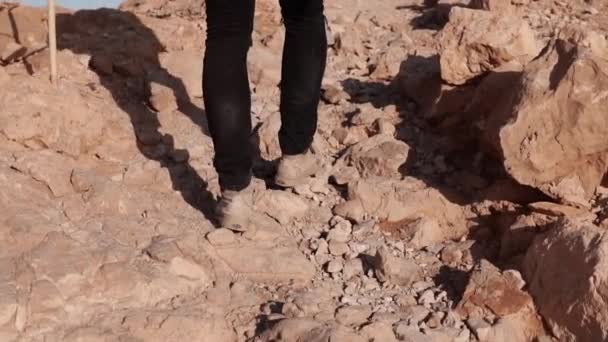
{"x":475,"y":42}
{"x":551,"y":128}
{"x":567,"y":274}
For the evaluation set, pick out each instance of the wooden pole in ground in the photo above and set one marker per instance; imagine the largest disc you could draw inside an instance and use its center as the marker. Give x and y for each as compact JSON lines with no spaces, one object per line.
{"x":52,"y":41}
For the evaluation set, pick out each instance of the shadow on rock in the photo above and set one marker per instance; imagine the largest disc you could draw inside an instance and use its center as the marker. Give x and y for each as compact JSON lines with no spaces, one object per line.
{"x":126,"y":56}
{"x":447,"y":128}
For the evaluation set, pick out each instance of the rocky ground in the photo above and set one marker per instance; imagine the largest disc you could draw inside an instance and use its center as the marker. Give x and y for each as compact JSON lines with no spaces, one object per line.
{"x":461,"y":198}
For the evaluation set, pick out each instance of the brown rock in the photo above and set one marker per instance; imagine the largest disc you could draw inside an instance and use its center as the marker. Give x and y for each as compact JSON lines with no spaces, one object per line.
{"x":443,"y":7}
{"x":273,"y":261}
{"x":281,"y":205}
{"x":185,"y":68}
{"x":519,"y":235}
{"x":566,"y":268}
{"x":350,"y":135}
{"x":352,"y":268}
{"x":337,"y":248}
{"x":387,"y":65}
{"x":424,"y":232}
{"x":380,"y":155}
{"x":297,"y":329}
{"x":353,"y":315}
{"x":516,"y":327}
{"x":162,"y":98}
{"x":189,"y":326}
{"x":563,"y":151}
{"x":491,"y":293}
{"x":221,"y":237}
{"x":475,"y":42}
{"x":155,"y":8}
{"x":553,"y":209}
{"x":379,"y":331}
{"x":395,"y":270}
{"x":51,"y":168}
{"x":409,"y":333}
{"x":72,"y":125}
{"x":405,"y":200}
{"x":264,"y":66}
{"x":502,"y":7}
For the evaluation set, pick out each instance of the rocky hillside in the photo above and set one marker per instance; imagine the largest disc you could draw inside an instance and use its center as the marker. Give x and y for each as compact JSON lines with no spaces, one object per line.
{"x":463,"y":194}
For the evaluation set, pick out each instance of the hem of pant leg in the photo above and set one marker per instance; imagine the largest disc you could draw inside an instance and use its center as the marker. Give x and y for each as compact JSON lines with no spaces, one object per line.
{"x":294,"y":152}
{"x":236,"y":186}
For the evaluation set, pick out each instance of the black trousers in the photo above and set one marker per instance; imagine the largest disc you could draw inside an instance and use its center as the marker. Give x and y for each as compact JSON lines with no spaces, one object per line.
{"x":226,"y":85}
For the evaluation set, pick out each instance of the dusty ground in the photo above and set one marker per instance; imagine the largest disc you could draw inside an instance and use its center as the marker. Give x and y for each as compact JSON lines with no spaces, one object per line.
{"x":460,"y":198}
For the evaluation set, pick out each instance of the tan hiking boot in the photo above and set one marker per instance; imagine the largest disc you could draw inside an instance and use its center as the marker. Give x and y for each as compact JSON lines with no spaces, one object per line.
{"x":235,"y":209}
{"x":294,"y":170}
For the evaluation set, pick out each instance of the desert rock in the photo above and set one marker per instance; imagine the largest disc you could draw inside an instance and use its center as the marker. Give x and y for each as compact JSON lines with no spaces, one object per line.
{"x":475,"y":42}
{"x":565,"y":164}
{"x":548,"y":269}
{"x":395,"y":270}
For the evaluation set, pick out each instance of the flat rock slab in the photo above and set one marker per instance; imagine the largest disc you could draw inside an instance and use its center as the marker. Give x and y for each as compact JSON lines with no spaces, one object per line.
{"x":266,"y":261}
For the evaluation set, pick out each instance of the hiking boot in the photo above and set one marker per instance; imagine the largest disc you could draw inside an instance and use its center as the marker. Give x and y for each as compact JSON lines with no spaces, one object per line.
{"x":235,"y":209}
{"x":295,"y":170}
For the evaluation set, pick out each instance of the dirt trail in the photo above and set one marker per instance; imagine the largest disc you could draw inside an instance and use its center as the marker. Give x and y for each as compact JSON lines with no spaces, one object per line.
{"x":463,"y":147}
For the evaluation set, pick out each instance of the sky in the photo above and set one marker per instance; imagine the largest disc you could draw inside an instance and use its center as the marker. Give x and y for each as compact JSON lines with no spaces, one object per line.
{"x":75,"y":4}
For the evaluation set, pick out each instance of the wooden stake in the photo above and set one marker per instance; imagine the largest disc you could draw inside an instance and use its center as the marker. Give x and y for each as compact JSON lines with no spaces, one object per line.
{"x":53,"y":41}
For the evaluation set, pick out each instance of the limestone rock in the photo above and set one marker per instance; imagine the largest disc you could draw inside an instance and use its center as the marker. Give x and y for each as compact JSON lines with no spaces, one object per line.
{"x":405,"y":200}
{"x":566,"y":268}
{"x":353,"y":315}
{"x":221,"y":237}
{"x":266,"y":261}
{"x":281,"y":205}
{"x":490,"y":292}
{"x":409,"y":333}
{"x":387,"y":65}
{"x":395,"y":270}
{"x":51,"y":168}
{"x":562,"y":152}
{"x":424,"y":232}
{"x":475,"y":42}
{"x":304,"y":329}
{"x":379,"y":331}
{"x":68,"y":126}
{"x":162,"y":98}
{"x":186,"y":69}
{"x":380,"y":155}
{"x":182,"y":326}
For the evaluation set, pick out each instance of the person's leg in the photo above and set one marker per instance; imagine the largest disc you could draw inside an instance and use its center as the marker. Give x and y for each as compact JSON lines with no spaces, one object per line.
{"x":226,"y":89}
{"x":228,"y":105}
{"x":304,"y":59}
